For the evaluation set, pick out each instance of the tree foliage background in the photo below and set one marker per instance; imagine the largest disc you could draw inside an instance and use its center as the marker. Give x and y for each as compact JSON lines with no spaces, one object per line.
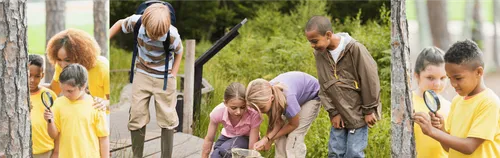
{"x":270,"y":43}
{"x":208,"y":20}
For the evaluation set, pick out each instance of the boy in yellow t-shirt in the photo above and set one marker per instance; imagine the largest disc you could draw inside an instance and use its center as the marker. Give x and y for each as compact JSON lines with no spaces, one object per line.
{"x":473,"y":125}
{"x":430,"y":75}
{"x":43,"y":145}
{"x":82,"y":130}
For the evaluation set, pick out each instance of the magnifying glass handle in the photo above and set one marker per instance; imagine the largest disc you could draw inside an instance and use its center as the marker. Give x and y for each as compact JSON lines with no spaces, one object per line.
{"x":50,"y":121}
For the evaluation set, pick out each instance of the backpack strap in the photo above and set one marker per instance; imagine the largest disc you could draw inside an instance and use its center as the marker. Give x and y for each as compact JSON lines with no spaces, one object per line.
{"x":166,"y":48}
{"x":137,"y":26}
{"x":166,"y":45}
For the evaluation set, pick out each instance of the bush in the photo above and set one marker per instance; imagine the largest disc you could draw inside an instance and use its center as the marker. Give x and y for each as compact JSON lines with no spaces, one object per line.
{"x":273,"y":43}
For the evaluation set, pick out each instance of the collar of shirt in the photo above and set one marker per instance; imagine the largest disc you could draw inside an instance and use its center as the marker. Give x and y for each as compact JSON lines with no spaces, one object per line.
{"x":244,"y":119}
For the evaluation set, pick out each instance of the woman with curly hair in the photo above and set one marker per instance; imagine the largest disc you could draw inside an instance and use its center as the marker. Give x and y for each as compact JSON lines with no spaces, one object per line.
{"x":77,"y":46}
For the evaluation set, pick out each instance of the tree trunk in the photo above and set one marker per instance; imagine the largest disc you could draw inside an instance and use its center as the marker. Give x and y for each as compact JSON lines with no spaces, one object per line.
{"x":496,"y":45}
{"x":424,"y":37}
{"x":439,"y":23}
{"x":477,"y":30}
{"x":54,"y":23}
{"x":467,"y":28}
{"x":403,"y":141}
{"x":15,"y":125}
{"x":101,"y":25}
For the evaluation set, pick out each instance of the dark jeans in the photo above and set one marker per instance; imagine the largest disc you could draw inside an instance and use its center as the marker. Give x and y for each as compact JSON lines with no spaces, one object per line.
{"x":223,"y":146}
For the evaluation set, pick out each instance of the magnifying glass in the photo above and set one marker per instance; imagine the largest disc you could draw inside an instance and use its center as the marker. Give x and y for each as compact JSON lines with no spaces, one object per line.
{"x":47,"y":100}
{"x":432,"y":101}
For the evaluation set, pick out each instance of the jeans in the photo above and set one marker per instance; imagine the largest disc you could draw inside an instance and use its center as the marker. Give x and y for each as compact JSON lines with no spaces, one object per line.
{"x":347,"y":143}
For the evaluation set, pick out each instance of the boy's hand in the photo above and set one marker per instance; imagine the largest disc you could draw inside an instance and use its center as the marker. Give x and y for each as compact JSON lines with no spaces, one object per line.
{"x":437,"y":121}
{"x":337,"y":122}
{"x":48,"y":115}
{"x":100,"y":104}
{"x":370,"y":119}
{"x":423,"y":120}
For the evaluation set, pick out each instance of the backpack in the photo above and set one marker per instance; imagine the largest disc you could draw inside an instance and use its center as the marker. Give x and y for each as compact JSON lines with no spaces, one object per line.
{"x":166,"y":43}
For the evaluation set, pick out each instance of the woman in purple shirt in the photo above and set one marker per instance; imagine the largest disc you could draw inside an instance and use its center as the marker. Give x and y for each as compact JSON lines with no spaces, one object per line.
{"x":291,"y":102}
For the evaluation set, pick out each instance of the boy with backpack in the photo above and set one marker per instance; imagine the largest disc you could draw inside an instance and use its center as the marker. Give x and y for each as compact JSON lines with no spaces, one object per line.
{"x":158,"y":51}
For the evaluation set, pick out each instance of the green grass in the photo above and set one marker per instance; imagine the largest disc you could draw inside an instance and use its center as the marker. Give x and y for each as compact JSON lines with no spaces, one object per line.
{"x":120,"y":59}
{"x":273,"y":43}
{"x":455,"y":10}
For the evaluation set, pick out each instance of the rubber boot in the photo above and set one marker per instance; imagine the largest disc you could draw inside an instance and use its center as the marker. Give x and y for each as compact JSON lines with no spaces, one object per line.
{"x":167,"y":142}
{"x":138,"y":137}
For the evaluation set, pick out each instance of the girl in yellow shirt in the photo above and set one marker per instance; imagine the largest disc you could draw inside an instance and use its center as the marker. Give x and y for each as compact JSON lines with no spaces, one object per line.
{"x":82,"y":130}
{"x":77,"y":46}
{"x":430,"y":74}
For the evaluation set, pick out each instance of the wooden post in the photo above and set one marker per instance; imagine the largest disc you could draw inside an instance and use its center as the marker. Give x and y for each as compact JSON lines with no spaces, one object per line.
{"x":188,"y":87}
{"x":402,"y":138}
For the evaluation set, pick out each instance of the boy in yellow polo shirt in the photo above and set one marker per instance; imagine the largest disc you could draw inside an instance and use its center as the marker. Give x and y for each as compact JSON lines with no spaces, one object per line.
{"x":82,"y":130}
{"x":472,"y":128}
{"x":42,"y":144}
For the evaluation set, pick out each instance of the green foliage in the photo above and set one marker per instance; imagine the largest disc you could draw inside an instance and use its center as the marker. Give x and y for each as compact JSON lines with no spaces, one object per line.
{"x":209,"y":20}
{"x":273,"y":43}
{"x":120,"y":60}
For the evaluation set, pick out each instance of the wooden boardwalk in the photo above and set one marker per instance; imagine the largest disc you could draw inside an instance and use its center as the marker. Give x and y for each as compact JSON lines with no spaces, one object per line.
{"x":185,"y":145}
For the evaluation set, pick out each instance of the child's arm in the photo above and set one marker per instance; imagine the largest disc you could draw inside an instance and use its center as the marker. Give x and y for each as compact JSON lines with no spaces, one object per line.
{"x":177,"y":63}
{"x":115,"y":28}
{"x":51,"y":126}
{"x":55,"y":152}
{"x":104,"y":146}
{"x":369,"y":84}
{"x":464,"y":145}
{"x":209,"y":139}
{"x":292,"y":124}
{"x":254,"y":137}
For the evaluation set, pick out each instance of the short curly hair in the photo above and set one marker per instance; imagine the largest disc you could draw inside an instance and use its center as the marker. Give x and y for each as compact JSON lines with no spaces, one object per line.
{"x":319,"y":23}
{"x":465,"y":53}
{"x":79,"y":45}
{"x":36,"y":60}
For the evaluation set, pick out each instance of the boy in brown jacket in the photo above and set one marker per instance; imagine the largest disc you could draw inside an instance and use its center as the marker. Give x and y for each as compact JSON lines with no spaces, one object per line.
{"x":349,"y":87}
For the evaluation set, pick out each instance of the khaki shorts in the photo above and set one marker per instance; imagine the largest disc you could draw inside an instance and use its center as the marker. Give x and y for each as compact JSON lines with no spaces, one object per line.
{"x":143,"y":88}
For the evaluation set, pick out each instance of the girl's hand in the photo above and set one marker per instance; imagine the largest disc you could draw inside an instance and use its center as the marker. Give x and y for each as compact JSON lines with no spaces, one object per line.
{"x":260,"y":145}
{"x":100,"y":104}
{"x":437,"y":121}
{"x":423,"y":120}
{"x":48,"y":115}
{"x":268,"y":145}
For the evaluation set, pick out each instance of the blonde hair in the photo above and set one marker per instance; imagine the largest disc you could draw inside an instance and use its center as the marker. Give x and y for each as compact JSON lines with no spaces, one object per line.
{"x":156,"y":20}
{"x":234,"y":91}
{"x":258,"y":93}
{"x":80,"y":47}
